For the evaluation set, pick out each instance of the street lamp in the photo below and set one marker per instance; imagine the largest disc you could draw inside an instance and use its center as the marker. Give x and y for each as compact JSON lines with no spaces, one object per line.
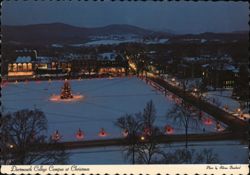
{"x":142,"y":138}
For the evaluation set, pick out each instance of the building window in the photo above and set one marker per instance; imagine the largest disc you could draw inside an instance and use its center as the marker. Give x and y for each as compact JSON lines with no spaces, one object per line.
{"x":10,"y":67}
{"x":29,"y":66}
{"x":19,"y":67}
{"x":25,"y":67}
{"x":14,"y":67}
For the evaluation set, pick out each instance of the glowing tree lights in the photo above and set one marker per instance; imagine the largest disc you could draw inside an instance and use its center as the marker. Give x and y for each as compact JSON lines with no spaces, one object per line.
{"x":66,"y":91}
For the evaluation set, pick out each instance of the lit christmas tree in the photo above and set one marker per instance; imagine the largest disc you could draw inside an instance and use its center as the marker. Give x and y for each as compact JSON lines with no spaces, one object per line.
{"x":66,"y":91}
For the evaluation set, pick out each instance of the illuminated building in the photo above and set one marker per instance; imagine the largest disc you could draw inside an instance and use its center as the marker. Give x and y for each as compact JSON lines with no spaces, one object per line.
{"x":22,"y":67}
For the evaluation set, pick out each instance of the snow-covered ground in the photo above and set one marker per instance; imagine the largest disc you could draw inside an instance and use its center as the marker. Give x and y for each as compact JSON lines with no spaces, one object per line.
{"x":111,"y":42}
{"x":224,"y":100}
{"x":120,"y":41}
{"x":229,"y":152}
{"x":104,"y":101}
{"x":220,"y":98}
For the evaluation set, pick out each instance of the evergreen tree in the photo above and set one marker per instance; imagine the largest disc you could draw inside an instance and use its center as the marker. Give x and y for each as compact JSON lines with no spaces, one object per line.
{"x":66,"y":91}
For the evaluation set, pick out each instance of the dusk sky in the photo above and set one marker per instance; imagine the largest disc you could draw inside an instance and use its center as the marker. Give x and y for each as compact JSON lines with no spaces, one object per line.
{"x":180,"y":17}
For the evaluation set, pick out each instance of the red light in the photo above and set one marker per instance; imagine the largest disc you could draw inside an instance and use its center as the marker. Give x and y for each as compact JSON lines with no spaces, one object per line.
{"x":208,"y":121}
{"x":79,"y":135}
{"x":169,"y":129}
{"x":102,"y":133}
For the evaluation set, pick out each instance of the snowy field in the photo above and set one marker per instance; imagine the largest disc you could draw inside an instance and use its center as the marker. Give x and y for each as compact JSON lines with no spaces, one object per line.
{"x":229,"y":152}
{"x":104,"y":101}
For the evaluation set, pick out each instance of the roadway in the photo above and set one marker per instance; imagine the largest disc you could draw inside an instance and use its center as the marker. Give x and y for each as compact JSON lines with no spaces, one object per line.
{"x":234,"y":123}
{"x":162,"y":139}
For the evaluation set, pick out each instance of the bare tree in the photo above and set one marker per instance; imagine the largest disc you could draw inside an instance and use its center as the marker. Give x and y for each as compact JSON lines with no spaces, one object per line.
{"x":183,"y":115}
{"x":149,"y":149}
{"x":131,"y":127}
{"x":23,"y":132}
{"x":142,"y":135}
{"x":206,"y":156}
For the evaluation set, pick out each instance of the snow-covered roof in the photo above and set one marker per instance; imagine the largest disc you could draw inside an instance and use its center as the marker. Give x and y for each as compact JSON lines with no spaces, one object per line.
{"x":23,"y":59}
{"x":193,"y":58}
{"x":57,"y":45}
{"x":203,"y":40}
{"x":43,"y":59}
{"x":229,"y":67}
{"x":109,"y":56}
{"x":226,"y":67}
{"x":205,"y":65}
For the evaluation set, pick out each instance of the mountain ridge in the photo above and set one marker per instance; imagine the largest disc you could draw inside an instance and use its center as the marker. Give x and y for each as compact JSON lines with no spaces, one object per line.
{"x":50,"y":33}
{"x":60,"y":32}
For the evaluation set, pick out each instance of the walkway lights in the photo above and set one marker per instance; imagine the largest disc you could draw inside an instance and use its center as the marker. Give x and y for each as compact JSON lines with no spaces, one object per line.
{"x":56,"y":136}
{"x":79,"y":134}
{"x":208,"y":121}
{"x":102,"y":133}
{"x":169,"y":129}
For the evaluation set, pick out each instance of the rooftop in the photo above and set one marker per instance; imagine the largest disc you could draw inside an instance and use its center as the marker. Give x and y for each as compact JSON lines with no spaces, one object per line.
{"x":23,"y":59}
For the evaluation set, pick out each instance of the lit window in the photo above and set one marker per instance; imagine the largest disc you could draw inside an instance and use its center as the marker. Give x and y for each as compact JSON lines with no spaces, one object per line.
{"x":29,"y":66}
{"x":25,"y":66}
{"x":10,"y":67}
{"x":14,"y":67}
{"x":20,"y":67}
